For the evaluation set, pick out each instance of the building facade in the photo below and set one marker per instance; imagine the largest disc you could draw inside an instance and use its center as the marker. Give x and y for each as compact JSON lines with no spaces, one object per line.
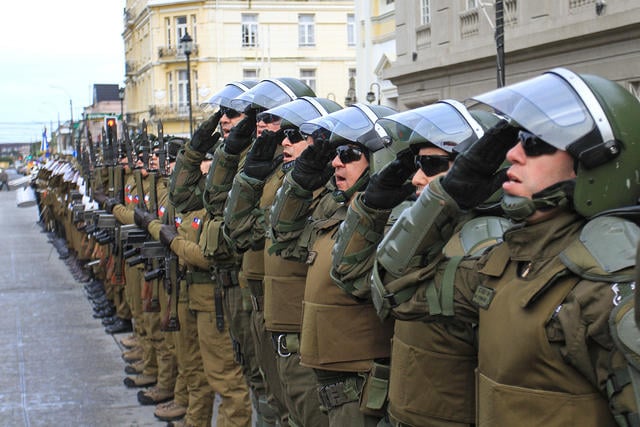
{"x":232,"y":40}
{"x":376,"y":50}
{"x":446,"y":49}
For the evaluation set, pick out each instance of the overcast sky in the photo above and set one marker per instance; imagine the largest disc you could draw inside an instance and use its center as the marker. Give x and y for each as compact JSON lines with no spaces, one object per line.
{"x":54,"y":51}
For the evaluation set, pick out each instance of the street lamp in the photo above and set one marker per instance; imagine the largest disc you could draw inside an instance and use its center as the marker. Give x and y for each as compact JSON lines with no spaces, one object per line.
{"x":186,"y":43}
{"x":121,"y":96}
{"x":372,"y":96}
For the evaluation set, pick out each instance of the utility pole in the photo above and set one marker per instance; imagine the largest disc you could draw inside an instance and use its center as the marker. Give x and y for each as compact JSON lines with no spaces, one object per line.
{"x":499,"y":36}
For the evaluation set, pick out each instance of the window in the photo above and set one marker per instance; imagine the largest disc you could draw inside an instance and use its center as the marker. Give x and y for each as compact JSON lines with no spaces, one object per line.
{"x":351,"y":29}
{"x":308,"y":76}
{"x":249,"y":30}
{"x":170,"y":89}
{"x":181,"y":27}
{"x":425,"y":12}
{"x":472,"y":4}
{"x":249,"y":74}
{"x":167,"y":24}
{"x":306,"y":30}
{"x":183,"y":108}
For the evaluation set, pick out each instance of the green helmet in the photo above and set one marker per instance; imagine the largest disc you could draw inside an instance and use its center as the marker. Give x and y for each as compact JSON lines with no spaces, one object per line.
{"x":231,"y":90}
{"x":270,"y":93}
{"x":444,"y":124}
{"x":593,"y":119}
{"x":303,"y":109}
{"x":355,"y":124}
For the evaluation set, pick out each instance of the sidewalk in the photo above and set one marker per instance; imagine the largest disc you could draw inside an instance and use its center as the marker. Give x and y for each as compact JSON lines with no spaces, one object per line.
{"x":57,"y":365}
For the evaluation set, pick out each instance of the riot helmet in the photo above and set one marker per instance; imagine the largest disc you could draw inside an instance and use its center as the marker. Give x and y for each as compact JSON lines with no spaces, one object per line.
{"x":304,"y":109}
{"x":223,"y":97}
{"x":444,"y":124}
{"x":593,"y":119}
{"x":270,"y":93}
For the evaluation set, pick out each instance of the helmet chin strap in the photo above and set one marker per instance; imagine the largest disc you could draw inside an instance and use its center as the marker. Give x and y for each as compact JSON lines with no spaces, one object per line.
{"x":344,"y":196}
{"x":520,"y":208}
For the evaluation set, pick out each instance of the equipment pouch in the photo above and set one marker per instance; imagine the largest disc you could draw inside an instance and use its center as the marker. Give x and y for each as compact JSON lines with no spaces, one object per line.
{"x":373,"y":398}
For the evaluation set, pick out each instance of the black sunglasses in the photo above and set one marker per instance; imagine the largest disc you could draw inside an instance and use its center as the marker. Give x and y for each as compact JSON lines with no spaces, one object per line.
{"x":348,"y":154}
{"x":230,"y":112}
{"x":267,"y":118}
{"x":534,"y":146}
{"x":294,"y":135}
{"x":432,"y":165}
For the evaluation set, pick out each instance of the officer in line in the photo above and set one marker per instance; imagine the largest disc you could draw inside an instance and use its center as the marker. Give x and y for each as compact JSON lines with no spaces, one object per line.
{"x":247,"y":326}
{"x":277,"y":297}
{"x":543,"y":297}
{"x":424,"y":138}
{"x":341,"y":337}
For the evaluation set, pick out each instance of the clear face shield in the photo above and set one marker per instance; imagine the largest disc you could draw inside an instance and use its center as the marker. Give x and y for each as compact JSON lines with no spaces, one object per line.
{"x":442,"y":124}
{"x":299,"y":111}
{"x":348,"y":124}
{"x":265,"y":95}
{"x":557,"y":107}
{"x":223,"y":98}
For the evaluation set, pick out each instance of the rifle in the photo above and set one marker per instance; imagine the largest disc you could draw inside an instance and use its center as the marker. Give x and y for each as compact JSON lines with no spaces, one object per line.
{"x":153,"y":251}
{"x":171,"y":322}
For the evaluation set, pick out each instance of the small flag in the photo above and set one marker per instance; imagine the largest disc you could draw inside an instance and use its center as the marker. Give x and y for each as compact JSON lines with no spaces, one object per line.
{"x":44,"y":145}
{"x":195,"y":224}
{"x":178,"y":221}
{"x":161,"y":211}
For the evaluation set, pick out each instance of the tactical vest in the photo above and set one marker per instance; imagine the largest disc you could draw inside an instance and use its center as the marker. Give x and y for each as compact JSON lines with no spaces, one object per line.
{"x":522,"y":379}
{"x":419,"y":394}
{"x":338,"y":332}
{"x":284,"y":280}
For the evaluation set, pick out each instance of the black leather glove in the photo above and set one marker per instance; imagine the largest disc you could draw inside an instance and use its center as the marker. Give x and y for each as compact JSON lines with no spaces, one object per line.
{"x":389,"y":187}
{"x":109,"y":204}
{"x":99,"y":196}
{"x":474,"y":175}
{"x":240,"y":135}
{"x":312,"y":169}
{"x":168,"y":232}
{"x":204,"y":137}
{"x":142,"y":218}
{"x":260,"y":161}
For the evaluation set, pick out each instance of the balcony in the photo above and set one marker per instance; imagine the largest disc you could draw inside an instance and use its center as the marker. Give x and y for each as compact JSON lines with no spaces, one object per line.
{"x":469,"y":23}
{"x":175,"y":53}
{"x":172,"y":112}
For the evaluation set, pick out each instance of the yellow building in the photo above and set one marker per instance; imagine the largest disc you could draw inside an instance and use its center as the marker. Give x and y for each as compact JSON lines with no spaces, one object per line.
{"x":232,"y":40}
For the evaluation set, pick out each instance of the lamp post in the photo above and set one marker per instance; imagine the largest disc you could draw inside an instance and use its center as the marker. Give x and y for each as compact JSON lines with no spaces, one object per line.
{"x":186,"y":43}
{"x":372,"y":96}
{"x":121,"y":96}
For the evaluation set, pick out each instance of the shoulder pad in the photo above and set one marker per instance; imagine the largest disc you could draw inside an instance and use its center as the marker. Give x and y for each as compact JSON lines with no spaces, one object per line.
{"x":605,"y":250}
{"x":476,"y":235}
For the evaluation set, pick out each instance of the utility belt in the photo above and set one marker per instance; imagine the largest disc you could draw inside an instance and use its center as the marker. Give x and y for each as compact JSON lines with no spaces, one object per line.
{"x":285,"y":344}
{"x":370,"y":389}
{"x":198,"y":277}
{"x":256,"y":287}
{"x":227,"y":277}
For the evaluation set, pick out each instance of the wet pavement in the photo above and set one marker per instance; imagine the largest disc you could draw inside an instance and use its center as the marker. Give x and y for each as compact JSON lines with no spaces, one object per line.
{"x":57,"y":365}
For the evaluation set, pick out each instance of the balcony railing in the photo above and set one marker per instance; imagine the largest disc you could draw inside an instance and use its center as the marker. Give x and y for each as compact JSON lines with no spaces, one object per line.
{"x":469,"y":23}
{"x":172,"y":112}
{"x":172,"y":52}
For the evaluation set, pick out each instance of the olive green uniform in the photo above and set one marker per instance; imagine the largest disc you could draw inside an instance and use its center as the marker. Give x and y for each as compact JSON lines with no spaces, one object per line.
{"x":546,"y":356}
{"x":341,"y":337}
{"x":276,"y":297}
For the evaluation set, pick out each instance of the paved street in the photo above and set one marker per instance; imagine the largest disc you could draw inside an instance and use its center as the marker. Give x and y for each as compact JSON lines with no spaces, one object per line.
{"x":57,"y":365}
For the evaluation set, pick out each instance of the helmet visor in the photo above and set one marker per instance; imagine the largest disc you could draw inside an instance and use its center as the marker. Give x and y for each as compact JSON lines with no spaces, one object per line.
{"x":223,"y":98}
{"x":349,"y":123}
{"x":295,"y":112}
{"x":546,"y":106}
{"x":264,"y":95}
{"x":439,"y":124}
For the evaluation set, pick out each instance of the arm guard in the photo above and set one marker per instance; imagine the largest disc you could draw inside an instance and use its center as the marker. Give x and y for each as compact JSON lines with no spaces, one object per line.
{"x":354,"y":251}
{"x":289,"y":215}
{"x":219,"y":180}
{"x":242,"y":211}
